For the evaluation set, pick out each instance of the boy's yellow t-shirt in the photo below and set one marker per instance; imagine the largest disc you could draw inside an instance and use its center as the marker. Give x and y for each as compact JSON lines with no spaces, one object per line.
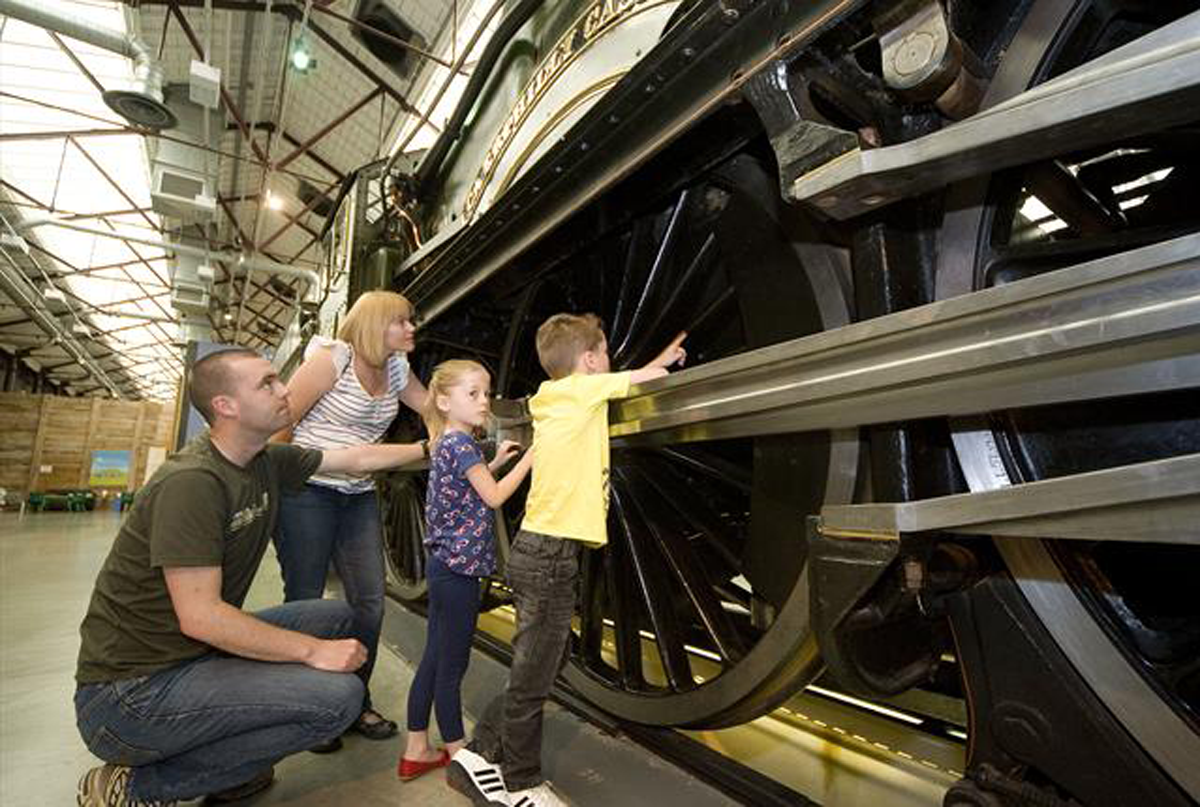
{"x":568,"y":497}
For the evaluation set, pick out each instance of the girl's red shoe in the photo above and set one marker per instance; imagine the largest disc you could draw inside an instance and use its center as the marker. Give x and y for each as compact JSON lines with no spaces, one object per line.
{"x":410,"y":769}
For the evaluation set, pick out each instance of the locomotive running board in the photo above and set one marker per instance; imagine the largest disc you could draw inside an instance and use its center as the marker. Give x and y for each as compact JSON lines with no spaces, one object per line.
{"x":1147,"y":85}
{"x":1150,"y":502}
{"x":1120,"y":325}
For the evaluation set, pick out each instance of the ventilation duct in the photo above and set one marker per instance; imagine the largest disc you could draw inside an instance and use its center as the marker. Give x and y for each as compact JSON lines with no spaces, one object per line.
{"x":182,"y":184}
{"x":377,"y":14}
{"x":142,"y":104}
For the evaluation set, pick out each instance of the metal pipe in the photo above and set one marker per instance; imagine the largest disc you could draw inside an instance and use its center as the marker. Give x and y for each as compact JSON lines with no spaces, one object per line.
{"x":17,"y":286}
{"x":146,"y":108}
{"x":257,"y":264}
{"x":468,"y":98}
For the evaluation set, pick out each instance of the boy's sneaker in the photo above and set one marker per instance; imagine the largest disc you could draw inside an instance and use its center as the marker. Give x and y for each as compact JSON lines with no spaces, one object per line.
{"x":541,"y":796}
{"x":477,"y":779}
{"x":108,"y":786}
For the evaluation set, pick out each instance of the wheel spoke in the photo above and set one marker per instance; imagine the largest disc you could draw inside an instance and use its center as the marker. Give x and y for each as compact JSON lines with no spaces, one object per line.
{"x":711,"y":465}
{"x":504,"y":379}
{"x":705,"y":317}
{"x":639,"y":237}
{"x":1071,"y":201}
{"x":623,"y":599}
{"x":673,"y":302}
{"x":652,"y":279}
{"x":1013,"y":262}
{"x":682,"y":561}
{"x":657,"y":597}
{"x":697,"y":512}
{"x":591,"y":610}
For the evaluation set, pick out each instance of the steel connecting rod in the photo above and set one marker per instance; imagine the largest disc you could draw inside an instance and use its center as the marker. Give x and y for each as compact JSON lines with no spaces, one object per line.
{"x":1120,"y":325}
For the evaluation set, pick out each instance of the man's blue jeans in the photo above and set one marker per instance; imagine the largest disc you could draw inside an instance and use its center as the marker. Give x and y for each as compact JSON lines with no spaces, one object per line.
{"x":217,"y":722}
{"x":319,"y":525}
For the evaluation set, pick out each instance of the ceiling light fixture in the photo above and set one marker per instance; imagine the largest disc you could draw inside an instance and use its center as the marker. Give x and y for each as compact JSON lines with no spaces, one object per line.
{"x":301,"y":57}
{"x":274,"y":202}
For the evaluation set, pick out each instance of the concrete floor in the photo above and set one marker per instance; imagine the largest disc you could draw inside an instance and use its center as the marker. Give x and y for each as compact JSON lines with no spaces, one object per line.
{"x":48,"y":562}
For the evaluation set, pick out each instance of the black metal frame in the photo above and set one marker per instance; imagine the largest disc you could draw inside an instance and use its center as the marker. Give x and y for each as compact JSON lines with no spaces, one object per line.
{"x":701,"y":62}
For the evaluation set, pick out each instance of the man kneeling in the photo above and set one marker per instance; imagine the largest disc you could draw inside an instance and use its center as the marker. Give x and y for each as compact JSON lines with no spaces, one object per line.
{"x":181,"y":692}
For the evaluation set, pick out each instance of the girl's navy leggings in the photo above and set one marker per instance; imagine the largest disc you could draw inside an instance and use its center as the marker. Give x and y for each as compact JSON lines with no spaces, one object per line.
{"x":453,"y":609}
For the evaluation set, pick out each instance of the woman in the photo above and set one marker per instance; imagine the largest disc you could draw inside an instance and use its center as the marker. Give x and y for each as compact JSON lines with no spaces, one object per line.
{"x":345,"y":393}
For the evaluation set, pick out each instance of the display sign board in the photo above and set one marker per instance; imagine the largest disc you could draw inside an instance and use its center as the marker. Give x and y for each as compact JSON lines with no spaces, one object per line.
{"x":110,"y":469}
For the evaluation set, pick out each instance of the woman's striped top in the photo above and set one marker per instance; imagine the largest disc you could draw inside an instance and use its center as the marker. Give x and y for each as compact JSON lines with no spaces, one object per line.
{"x":347,"y":415}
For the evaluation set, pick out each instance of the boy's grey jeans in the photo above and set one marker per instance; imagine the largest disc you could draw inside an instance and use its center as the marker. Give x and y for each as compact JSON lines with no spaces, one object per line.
{"x":219,"y":721}
{"x":541,"y":571}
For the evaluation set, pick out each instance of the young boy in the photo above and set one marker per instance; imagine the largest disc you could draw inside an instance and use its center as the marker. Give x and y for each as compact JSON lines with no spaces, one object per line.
{"x":566,"y":511}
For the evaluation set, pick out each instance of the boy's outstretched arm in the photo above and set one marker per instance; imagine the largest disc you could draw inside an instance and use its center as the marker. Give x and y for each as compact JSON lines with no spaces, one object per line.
{"x":657,"y":367}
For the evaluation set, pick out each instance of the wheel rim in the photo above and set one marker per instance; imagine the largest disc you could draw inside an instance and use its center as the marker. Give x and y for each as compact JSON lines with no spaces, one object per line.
{"x":1094,"y":600}
{"x":402,"y":515}
{"x":696,"y":613}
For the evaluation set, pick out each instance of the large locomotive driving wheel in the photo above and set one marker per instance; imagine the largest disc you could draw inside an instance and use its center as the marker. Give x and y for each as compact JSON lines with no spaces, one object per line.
{"x":402,"y":515}
{"x":1123,"y":613}
{"x":696,"y":613}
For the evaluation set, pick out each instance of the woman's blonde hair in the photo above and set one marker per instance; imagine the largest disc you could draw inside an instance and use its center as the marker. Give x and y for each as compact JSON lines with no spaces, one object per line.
{"x":368,"y":320}
{"x":447,"y":375}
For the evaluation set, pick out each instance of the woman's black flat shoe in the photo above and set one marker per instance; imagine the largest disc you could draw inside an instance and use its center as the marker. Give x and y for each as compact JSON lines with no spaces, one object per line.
{"x":380,"y":729}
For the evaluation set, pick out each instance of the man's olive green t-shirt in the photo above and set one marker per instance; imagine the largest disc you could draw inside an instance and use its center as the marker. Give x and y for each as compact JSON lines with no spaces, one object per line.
{"x":199,"y":509}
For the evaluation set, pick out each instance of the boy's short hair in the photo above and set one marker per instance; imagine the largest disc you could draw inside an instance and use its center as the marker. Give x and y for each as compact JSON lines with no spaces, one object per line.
{"x":563,"y":338}
{"x":212,"y":376}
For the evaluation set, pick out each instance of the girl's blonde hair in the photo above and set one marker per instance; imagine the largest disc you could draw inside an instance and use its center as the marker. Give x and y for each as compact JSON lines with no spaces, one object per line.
{"x":368,"y":320}
{"x":447,"y":375}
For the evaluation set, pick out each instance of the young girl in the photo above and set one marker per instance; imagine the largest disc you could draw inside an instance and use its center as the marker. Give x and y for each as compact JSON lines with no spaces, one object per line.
{"x":459,"y":535}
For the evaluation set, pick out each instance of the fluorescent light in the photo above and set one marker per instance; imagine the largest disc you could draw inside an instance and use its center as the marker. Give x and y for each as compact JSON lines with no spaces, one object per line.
{"x":1148,"y":179}
{"x":274,"y":202}
{"x":1134,"y":202}
{"x":871,"y":707}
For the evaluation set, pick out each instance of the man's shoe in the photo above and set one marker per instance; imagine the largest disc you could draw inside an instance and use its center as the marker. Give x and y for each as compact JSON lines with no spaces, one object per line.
{"x":410,"y":769}
{"x":108,"y":786}
{"x":245,"y":790}
{"x":541,"y":796}
{"x":477,"y":779}
{"x":327,"y":747}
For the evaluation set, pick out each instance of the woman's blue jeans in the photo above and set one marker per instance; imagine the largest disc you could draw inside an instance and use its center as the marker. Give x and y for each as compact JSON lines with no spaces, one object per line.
{"x":453,"y":610}
{"x":319,"y":525}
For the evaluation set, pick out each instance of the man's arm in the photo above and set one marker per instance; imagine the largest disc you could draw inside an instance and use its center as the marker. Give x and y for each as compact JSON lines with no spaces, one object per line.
{"x":657,"y":367}
{"x":370,"y":457}
{"x":205,"y":617}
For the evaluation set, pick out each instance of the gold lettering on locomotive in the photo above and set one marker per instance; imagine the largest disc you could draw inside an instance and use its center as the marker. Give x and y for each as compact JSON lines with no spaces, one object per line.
{"x":598,"y":19}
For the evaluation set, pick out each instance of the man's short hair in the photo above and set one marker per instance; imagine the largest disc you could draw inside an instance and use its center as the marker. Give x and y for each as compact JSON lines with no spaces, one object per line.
{"x":211,"y":376}
{"x":563,"y":338}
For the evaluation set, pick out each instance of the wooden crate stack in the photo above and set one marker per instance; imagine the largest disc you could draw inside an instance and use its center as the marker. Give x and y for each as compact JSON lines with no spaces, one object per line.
{"x":59,"y":432}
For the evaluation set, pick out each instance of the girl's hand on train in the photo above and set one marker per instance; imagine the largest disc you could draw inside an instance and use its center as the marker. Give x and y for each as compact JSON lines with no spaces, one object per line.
{"x":505,"y":451}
